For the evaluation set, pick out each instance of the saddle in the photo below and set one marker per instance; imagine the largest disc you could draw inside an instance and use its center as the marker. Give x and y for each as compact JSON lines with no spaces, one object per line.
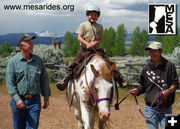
{"x":79,"y":68}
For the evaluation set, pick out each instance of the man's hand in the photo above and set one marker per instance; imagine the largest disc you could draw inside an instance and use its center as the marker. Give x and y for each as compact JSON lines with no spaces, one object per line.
{"x":46,"y":104}
{"x":20,"y":104}
{"x":165,"y":94}
{"x":134,"y":92}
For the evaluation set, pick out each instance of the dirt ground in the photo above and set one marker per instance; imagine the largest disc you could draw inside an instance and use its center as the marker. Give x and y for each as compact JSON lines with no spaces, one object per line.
{"x":59,"y":116}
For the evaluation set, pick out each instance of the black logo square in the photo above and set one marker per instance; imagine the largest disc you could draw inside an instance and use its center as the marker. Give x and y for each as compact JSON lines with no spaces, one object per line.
{"x":162,"y":19}
{"x":172,"y":121}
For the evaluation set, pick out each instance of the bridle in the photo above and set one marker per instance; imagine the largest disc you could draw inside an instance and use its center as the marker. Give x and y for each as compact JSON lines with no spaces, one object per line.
{"x":93,"y":90}
{"x":93,"y":94}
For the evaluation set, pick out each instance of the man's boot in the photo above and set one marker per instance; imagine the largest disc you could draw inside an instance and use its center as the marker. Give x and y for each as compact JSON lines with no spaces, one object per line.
{"x":61,"y":85}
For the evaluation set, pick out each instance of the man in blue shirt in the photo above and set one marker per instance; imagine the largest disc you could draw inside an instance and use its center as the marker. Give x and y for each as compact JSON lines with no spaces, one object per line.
{"x":26,"y":79}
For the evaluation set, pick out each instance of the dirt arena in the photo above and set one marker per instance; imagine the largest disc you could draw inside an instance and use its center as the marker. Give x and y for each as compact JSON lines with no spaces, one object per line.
{"x":59,"y":116}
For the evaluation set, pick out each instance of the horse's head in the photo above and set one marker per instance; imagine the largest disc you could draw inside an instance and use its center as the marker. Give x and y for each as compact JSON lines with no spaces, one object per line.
{"x":103,"y":88}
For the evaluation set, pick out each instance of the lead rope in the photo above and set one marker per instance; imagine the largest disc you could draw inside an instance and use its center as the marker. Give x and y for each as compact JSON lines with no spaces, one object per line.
{"x":139,"y":109}
{"x":87,"y":86}
{"x":116,"y":106}
{"x":158,"y":97}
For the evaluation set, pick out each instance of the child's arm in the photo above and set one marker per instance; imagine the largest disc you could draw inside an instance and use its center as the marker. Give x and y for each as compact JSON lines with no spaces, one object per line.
{"x":96,"y":42}
{"x":81,"y":40}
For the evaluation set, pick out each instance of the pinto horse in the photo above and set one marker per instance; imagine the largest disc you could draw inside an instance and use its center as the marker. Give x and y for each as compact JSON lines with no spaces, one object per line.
{"x":92,"y":93}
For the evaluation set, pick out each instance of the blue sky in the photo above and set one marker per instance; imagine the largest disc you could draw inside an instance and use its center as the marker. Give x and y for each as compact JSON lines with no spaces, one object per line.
{"x":131,"y":13}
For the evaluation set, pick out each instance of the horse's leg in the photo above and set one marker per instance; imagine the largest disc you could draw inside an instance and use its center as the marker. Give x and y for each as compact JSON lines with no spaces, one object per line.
{"x":77,"y":113}
{"x":87,"y":117}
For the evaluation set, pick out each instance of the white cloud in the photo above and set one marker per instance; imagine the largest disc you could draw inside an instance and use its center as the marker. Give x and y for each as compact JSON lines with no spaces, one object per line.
{"x":113,"y":12}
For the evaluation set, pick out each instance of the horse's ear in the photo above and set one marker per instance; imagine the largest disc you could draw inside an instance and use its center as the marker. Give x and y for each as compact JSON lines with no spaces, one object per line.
{"x":96,"y":73}
{"x":113,"y":66}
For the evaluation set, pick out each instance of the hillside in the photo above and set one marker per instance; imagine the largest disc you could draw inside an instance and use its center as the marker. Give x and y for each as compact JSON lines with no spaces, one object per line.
{"x":12,"y":38}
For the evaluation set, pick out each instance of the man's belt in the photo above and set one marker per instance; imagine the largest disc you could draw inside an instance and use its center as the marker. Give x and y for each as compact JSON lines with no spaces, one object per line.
{"x":28,"y":96}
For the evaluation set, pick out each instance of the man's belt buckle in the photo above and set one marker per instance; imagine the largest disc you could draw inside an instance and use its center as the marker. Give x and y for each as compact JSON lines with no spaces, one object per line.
{"x":27,"y":96}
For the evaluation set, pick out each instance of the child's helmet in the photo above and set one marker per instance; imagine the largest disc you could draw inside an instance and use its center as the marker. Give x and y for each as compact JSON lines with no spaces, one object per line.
{"x":93,"y":8}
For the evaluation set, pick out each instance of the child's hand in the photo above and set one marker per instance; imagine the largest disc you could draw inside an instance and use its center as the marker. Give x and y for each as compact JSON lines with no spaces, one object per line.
{"x":93,"y":43}
{"x":88,"y":46}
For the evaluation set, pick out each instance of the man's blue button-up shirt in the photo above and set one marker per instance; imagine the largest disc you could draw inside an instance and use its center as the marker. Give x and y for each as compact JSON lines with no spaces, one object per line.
{"x":27,"y":77}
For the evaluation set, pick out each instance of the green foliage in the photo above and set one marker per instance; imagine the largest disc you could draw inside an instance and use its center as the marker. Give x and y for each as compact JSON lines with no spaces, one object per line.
{"x":178,"y":40}
{"x":71,"y":45}
{"x":114,"y":41}
{"x":119,"y":46}
{"x":49,"y":54}
{"x":54,"y":56}
{"x":158,"y":38}
{"x":139,"y":42}
{"x":108,"y":40}
{"x":6,"y":49}
{"x":169,"y":42}
{"x":145,"y":39}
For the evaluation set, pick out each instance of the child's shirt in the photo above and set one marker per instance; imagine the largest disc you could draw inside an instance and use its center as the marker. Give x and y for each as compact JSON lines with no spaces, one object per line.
{"x":90,"y":32}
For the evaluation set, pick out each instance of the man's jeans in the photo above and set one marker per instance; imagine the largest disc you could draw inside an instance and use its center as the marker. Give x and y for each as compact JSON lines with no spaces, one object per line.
{"x":158,"y":117}
{"x":30,"y":116}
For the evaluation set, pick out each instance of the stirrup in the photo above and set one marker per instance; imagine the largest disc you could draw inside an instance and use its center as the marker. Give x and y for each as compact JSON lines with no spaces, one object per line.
{"x":61,"y":85}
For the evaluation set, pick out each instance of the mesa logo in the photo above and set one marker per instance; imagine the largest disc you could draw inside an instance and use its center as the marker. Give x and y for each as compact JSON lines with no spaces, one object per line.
{"x":162,"y":19}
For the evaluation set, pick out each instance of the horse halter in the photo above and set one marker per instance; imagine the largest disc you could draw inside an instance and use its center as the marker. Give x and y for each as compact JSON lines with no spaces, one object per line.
{"x":94,"y":98}
{"x":93,"y":89}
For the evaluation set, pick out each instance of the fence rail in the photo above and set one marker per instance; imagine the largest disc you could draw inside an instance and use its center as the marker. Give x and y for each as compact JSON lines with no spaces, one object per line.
{"x":54,"y":68}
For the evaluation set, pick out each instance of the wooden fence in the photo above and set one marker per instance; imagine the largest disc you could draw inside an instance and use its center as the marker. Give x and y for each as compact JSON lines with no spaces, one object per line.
{"x":138,"y":74}
{"x":55,"y":68}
